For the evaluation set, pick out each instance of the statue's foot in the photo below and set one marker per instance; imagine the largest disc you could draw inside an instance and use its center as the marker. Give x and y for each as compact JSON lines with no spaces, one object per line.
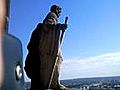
{"x":62,"y":87}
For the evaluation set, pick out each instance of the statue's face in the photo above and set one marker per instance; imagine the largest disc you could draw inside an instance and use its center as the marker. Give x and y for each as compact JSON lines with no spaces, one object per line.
{"x":58,"y":12}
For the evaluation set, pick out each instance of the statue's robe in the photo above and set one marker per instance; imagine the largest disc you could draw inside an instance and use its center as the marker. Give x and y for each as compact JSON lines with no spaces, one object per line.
{"x":42,"y":53}
{"x":32,"y":62}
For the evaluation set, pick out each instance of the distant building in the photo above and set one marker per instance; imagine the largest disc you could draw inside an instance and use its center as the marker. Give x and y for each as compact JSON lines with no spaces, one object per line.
{"x":117,"y":87}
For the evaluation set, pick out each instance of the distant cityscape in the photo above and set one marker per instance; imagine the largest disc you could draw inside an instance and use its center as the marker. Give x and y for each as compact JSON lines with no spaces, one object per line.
{"x":98,"y":83}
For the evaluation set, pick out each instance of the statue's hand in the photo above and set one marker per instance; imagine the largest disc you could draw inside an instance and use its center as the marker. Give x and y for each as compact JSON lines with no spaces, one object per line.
{"x":64,"y":26}
{"x":61,"y":26}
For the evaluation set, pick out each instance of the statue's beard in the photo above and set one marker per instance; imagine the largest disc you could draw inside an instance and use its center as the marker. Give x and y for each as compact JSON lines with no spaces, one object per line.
{"x":58,"y":15}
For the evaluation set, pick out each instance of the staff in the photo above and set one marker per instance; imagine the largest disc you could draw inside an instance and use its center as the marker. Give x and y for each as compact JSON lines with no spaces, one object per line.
{"x":61,"y":39}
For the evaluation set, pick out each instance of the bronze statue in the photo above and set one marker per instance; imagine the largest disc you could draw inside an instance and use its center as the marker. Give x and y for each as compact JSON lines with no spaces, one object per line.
{"x":44,"y":57}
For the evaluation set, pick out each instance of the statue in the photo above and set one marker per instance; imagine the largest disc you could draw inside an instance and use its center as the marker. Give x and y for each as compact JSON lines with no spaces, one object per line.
{"x":44,"y":57}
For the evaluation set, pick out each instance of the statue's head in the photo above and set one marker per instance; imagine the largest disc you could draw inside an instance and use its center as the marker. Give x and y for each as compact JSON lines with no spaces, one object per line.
{"x":56,"y":9}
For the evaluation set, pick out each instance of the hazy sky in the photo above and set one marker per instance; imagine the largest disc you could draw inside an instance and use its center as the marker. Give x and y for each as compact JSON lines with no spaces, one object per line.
{"x":93,"y":32}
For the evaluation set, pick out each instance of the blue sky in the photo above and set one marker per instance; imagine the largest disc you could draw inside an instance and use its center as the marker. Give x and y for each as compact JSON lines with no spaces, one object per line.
{"x":93,"y":31}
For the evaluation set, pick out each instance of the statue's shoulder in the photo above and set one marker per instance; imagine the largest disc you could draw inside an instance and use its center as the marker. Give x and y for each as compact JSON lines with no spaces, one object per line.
{"x":39,"y":26}
{"x":51,"y":15}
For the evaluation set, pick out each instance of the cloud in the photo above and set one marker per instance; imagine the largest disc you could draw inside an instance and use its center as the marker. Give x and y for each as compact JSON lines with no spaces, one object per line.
{"x":107,"y":64}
